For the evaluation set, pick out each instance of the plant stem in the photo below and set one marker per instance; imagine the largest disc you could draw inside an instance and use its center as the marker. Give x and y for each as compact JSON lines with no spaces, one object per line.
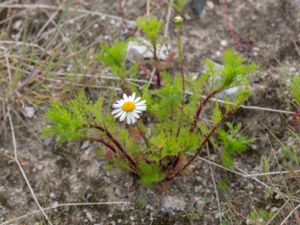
{"x":142,"y":133}
{"x":117,"y":143}
{"x":180,"y":55}
{"x":203,"y":143}
{"x":200,"y":108}
{"x":156,"y":62}
{"x":101,"y":140}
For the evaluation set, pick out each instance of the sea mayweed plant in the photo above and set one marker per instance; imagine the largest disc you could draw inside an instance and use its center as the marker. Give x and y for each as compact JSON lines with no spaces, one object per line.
{"x":156,"y":131}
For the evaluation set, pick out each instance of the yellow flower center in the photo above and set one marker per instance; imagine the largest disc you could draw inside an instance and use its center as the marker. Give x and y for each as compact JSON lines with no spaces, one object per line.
{"x":128,"y":106}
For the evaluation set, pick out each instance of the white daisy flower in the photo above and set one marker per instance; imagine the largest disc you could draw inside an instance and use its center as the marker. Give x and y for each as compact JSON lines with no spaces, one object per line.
{"x":129,"y":108}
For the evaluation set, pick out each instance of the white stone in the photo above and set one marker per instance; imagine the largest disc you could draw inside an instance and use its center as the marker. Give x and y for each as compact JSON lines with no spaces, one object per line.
{"x":143,"y":49}
{"x":173,"y":204}
{"x":29,"y":111}
{"x":223,"y":43}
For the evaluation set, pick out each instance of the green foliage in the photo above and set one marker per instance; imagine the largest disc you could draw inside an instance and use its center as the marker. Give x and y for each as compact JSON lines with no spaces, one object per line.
{"x":233,"y":142}
{"x":150,"y":174}
{"x":235,"y":71}
{"x":69,"y":120}
{"x":152,"y":28}
{"x":171,"y":144}
{"x":142,"y":203}
{"x":295,"y":89}
{"x":223,"y":186}
{"x":217,"y":114}
{"x":259,"y":217}
{"x":170,"y":131}
{"x":265,"y":163}
{"x":167,"y":99}
{"x":179,"y":5}
{"x":291,"y":155}
{"x":114,"y":57}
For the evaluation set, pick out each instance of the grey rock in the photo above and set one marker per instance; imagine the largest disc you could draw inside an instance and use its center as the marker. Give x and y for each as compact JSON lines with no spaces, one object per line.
{"x":173,"y":204}
{"x":200,"y":179}
{"x":198,"y":6}
{"x":199,"y":203}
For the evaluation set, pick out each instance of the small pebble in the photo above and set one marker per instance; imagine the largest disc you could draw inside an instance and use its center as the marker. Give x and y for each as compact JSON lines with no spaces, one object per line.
{"x":198,"y":6}
{"x":218,"y":215}
{"x":210,"y":5}
{"x":29,"y":111}
{"x":223,"y":43}
{"x":85,"y":145}
{"x":48,"y":141}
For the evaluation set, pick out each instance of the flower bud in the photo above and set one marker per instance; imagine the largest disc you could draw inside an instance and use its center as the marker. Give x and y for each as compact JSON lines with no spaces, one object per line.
{"x":178,"y":20}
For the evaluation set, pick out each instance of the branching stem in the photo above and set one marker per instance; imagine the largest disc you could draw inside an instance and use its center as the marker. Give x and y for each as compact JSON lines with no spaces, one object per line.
{"x":117,"y":143}
{"x":201,"y":107}
{"x":101,"y":140}
{"x":203,"y":143}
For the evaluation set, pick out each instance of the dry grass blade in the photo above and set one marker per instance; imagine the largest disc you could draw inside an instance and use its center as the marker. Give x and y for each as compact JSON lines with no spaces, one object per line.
{"x":290,"y":214}
{"x":21,"y":168}
{"x":215,"y":187}
{"x":51,"y":7}
{"x":62,"y":205}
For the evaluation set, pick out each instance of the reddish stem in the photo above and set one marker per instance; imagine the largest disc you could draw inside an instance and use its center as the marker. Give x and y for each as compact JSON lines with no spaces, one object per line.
{"x":196,"y":154}
{"x":117,"y":143}
{"x":200,"y":108}
{"x":156,"y":61}
{"x":101,"y":140}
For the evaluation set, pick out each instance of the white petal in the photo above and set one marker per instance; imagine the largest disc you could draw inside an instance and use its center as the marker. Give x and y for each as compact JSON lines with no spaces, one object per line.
{"x":116,"y":105}
{"x":138,"y":111}
{"x":133,"y":120}
{"x":143,"y":102}
{"x":135,"y":114}
{"x":125,"y":97}
{"x":141,"y":108}
{"x":121,"y":102}
{"x":123,"y":116}
{"x":119,"y":114}
{"x":116,"y":111}
{"x":128,"y":118}
{"x":137,"y":100}
{"x":132,"y":97}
